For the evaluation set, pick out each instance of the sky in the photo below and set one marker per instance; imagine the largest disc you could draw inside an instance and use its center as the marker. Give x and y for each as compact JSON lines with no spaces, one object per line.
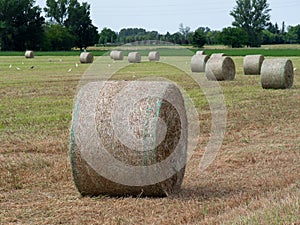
{"x":166,"y":15}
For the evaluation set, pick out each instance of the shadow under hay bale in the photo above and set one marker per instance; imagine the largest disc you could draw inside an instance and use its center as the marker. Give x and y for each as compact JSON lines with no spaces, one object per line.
{"x":119,"y":144}
{"x":277,"y":73}
{"x":252,"y":64}
{"x":86,"y":57}
{"x":153,"y":56}
{"x":198,"y":63}
{"x":220,"y":68}
{"x":116,"y":55}
{"x":29,"y":54}
{"x":134,"y":57}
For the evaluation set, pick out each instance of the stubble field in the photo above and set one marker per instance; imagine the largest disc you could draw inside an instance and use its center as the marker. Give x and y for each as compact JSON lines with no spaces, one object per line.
{"x":254,"y":179}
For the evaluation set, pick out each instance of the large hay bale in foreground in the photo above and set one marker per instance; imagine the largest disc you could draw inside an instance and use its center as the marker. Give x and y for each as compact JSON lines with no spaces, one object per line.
{"x":220,"y":68}
{"x":154,"y":56}
{"x":129,"y":138}
{"x":116,"y":55}
{"x":277,"y":73}
{"x":86,"y":57}
{"x":134,"y":57}
{"x":252,"y":64}
{"x":198,"y":63}
{"x":29,"y":54}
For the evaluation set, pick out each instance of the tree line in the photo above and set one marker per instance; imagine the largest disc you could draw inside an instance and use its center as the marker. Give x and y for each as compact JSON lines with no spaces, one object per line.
{"x":67,"y":24}
{"x":22,"y":25}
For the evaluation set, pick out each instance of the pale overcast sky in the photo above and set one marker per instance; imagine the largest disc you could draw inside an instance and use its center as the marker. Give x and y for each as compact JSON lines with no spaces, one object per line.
{"x":166,"y":15}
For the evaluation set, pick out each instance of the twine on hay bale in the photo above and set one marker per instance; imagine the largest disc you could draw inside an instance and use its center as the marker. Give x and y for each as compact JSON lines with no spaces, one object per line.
{"x":109,"y":159}
{"x":154,"y":56}
{"x":252,"y":64}
{"x":198,"y":63}
{"x":116,"y":55}
{"x":29,"y":54}
{"x":200,"y":53}
{"x":220,"y":68}
{"x":134,"y":57}
{"x":86,"y":57}
{"x":277,"y":73}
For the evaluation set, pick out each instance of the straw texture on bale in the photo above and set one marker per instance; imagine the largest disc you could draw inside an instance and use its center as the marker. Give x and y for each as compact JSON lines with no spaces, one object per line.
{"x":217,"y":55}
{"x":116,"y":55}
{"x":86,"y":57}
{"x":220,"y":68}
{"x":252,"y":64}
{"x":154,"y":56}
{"x":200,"y":53}
{"x":277,"y":74}
{"x":94,"y":138}
{"x":134,"y":57}
{"x":29,"y":54}
{"x":198,"y":63}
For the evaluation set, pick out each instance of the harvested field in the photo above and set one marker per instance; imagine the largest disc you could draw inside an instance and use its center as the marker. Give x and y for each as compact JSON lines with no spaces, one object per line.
{"x":254,"y":179}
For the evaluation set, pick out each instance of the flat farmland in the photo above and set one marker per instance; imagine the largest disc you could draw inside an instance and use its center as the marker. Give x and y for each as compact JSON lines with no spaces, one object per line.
{"x":254,"y":179}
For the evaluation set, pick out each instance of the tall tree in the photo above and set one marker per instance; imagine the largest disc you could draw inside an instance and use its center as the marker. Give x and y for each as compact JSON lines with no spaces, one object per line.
{"x":184,"y":31}
{"x":80,"y":24}
{"x":57,"y":10}
{"x":252,"y":16}
{"x":21,"y":25}
{"x":199,"y":37}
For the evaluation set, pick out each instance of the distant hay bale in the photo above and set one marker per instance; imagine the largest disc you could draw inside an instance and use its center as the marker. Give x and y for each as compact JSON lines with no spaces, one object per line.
{"x":200,"y":53}
{"x":217,"y":55}
{"x":154,"y":56}
{"x":116,"y":55}
{"x":124,"y":135}
{"x":220,"y":68}
{"x":252,"y":64}
{"x":29,"y":54}
{"x":134,"y":57}
{"x":86,"y":57}
{"x":198,"y":63}
{"x":277,"y":73}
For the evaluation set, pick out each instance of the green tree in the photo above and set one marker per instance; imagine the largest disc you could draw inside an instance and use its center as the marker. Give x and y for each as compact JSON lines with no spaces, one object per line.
{"x":211,"y":37}
{"x":234,"y":37}
{"x":57,"y":38}
{"x":252,"y":16}
{"x":184,"y":31}
{"x":107,"y":36}
{"x":80,"y":24}
{"x":57,"y":10}
{"x":293,"y":34}
{"x":199,"y":37}
{"x":21,"y":25}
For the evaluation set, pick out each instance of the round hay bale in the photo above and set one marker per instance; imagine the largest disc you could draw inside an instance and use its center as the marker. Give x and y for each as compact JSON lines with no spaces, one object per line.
{"x":29,"y":54}
{"x":217,"y":55}
{"x":116,"y":55}
{"x":220,"y":68}
{"x":154,"y":56}
{"x":134,"y":57}
{"x":198,"y":63}
{"x":129,"y":138}
{"x":200,"y":53}
{"x":277,"y":73}
{"x":86,"y":57}
{"x":252,"y":64}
